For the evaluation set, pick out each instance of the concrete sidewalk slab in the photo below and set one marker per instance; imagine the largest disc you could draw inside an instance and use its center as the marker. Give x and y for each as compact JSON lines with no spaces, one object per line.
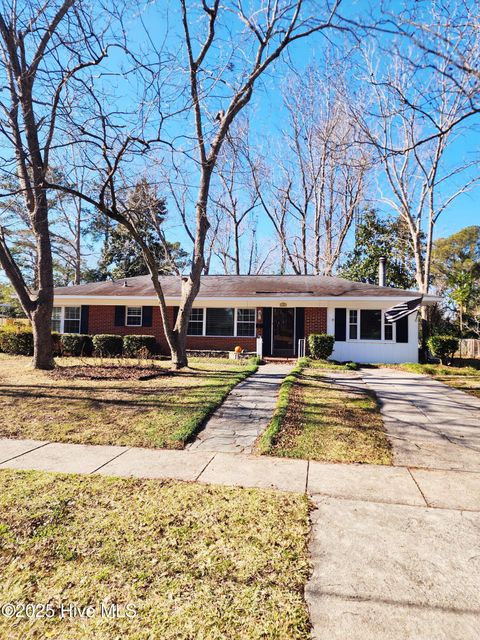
{"x":148,"y":463}
{"x":248,"y":471}
{"x":13,"y":448}
{"x":449,"y":489}
{"x":376,"y":483}
{"x":411,"y":558}
{"x":343,"y":619}
{"x":65,"y":458}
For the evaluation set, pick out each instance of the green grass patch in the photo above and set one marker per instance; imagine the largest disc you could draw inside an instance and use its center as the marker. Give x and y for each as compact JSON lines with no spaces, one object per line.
{"x":193,"y":561}
{"x":161,"y":411}
{"x":267,"y":439}
{"x":325,"y":421}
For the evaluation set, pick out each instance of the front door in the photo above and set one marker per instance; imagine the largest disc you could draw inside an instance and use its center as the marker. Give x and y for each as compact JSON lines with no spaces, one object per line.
{"x":283,"y":332}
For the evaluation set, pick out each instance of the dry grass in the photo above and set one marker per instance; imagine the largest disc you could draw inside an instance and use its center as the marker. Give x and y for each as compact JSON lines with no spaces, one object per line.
{"x":195,"y":561}
{"x":161,"y":411}
{"x":327,"y":422}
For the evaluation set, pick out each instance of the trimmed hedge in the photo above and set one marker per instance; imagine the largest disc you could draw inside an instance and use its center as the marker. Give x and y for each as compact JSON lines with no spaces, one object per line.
{"x":106,"y":345}
{"x":443,"y":347}
{"x":320,"y":345}
{"x":134,"y":346}
{"x":76,"y":344}
{"x":16,"y":342}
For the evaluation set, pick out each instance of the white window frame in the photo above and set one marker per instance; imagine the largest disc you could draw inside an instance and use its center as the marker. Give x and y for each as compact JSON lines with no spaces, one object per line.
{"x":128,"y":324}
{"x":235,"y":324}
{"x":249,"y":322}
{"x":62,"y":317}
{"x":364,"y":340}
{"x":204,"y":322}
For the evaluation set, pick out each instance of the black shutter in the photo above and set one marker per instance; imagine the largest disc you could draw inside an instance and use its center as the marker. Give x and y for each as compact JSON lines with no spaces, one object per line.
{"x":299,"y":327}
{"x":267,"y":331}
{"x":340,"y":325}
{"x":84,"y":318}
{"x":147,"y":313}
{"x":402,"y":329}
{"x":119,"y":316}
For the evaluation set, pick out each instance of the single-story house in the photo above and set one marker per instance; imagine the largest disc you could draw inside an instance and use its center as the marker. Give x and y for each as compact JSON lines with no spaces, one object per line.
{"x":266,"y":314}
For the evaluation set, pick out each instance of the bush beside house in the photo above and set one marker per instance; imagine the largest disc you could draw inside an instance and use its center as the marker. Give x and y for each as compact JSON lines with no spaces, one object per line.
{"x":443,"y":347}
{"x":76,"y":344}
{"x":139,"y":346}
{"x":320,"y":345}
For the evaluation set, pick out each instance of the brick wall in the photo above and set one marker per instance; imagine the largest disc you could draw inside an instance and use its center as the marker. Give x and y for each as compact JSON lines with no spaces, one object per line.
{"x":315,"y":320}
{"x":101,"y":319}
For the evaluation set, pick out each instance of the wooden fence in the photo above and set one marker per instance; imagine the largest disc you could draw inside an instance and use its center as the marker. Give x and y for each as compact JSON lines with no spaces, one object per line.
{"x":469,"y":348}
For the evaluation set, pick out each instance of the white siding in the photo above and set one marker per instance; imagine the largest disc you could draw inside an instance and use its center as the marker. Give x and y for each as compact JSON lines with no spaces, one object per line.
{"x":373,"y":351}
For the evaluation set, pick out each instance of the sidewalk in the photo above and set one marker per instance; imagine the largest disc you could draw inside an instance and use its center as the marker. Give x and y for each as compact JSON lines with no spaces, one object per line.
{"x":435,"y":488}
{"x":394,"y":550}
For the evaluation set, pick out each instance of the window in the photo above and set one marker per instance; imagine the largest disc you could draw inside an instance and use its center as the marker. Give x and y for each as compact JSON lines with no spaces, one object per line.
{"x":71,"y":320}
{"x":387,"y":330}
{"x":220,"y":322}
{"x":245,"y":322}
{"x":57,"y":319}
{"x":195,"y":324}
{"x":370,"y":324}
{"x":353,"y":324}
{"x":134,"y":317}
{"x":66,"y":319}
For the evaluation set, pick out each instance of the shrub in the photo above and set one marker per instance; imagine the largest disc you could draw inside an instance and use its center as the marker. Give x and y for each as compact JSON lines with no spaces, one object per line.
{"x":135,"y":346}
{"x":108,"y":345}
{"x":76,"y":344}
{"x":443,"y":347}
{"x":16,"y":341}
{"x":320,"y":345}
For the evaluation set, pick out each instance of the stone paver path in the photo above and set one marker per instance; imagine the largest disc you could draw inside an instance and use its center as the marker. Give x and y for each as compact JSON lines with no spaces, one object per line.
{"x":245,"y":414}
{"x":429,"y":424}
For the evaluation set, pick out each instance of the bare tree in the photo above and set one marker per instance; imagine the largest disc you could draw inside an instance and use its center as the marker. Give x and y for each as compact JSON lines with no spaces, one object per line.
{"x":418,"y":184}
{"x":43,"y":50}
{"x":317,"y":182}
{"x":228,"y":49}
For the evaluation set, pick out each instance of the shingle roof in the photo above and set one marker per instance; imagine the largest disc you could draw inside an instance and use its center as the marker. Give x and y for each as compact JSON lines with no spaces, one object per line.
{"x":237,"y":286}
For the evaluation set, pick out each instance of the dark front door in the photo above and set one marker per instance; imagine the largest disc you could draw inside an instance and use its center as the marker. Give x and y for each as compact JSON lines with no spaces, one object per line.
{"x":283,"y":332}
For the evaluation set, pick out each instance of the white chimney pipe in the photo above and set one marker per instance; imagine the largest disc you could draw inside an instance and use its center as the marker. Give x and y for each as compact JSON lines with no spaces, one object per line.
{"x":382,"y":272}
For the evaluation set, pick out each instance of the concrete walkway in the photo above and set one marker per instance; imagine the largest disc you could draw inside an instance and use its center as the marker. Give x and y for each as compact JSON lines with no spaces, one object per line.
{"x":245,"y":414}
{"x":429,"y":424}
{"x":394,"y":550}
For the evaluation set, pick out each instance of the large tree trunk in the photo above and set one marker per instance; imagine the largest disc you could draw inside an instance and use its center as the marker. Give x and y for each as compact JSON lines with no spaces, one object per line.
{"x":42,"y":337}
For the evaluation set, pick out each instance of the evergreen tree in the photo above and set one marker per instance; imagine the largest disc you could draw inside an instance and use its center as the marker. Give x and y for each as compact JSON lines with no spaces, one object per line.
{"x":376,"y":237}
{"x":121,"y":256}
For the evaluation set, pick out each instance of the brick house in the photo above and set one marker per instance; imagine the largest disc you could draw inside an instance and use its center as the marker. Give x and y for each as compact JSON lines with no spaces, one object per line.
{"x":239,"y":310}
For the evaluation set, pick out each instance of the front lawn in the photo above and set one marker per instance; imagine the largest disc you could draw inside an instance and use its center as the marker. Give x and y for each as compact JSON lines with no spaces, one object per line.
{"x":328,"y":422}
{"x":192,"y":561}
{"x":113,"y":402}
{"x":463,"y":374}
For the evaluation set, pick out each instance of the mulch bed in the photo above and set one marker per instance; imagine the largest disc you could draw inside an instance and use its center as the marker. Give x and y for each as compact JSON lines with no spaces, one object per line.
{"x":109,"y":372}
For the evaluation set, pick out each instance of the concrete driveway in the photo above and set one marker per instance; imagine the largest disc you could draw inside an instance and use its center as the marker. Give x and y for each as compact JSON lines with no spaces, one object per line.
{"x":429,"y":424}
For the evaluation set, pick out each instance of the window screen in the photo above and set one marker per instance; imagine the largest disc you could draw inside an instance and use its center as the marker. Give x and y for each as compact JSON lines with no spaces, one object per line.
{"x":220,"y":322}
{"x":370,"y":324}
